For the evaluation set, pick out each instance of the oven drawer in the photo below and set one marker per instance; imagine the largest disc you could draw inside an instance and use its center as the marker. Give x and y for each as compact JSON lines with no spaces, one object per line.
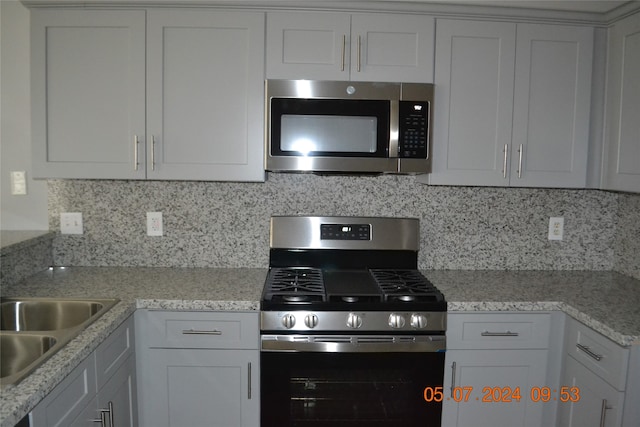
{"x":203,"y":329}
{"x":599,"y":354}
{"x":498,"y":330}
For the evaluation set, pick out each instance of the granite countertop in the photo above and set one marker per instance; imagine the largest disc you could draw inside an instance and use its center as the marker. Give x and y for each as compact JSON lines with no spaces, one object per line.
{"x":12,"y":240}
{"x":606,"y":301}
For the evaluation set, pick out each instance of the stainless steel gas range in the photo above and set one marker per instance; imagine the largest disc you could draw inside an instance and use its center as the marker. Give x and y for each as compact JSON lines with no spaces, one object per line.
{"x":351,"y":331}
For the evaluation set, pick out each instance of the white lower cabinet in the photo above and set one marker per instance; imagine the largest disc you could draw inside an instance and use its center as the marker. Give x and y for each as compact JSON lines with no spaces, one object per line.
{"x":198,"y":369}
{"x":600,"y":405}
{"x":101,"y":391}
{"x":493,"y":362}
{"x":599,"y":368}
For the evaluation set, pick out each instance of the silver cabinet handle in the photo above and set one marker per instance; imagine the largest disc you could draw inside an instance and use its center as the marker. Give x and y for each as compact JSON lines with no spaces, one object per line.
{"x":504,"y":161}
{"x":201,"y":332}
{"x":453,"y":377}
{"x":344,"y":48}
{"x":520,"y":161}
{"x":102,"y":420}
{"x":153,"y":152}
{"x":359,"y":54}
{"x":110,"y":411}
{"x":603,"y":412}
{"x":499,"y":334}
{"x":590,"y":353}
{"x":135,"y":153}
{"x":249,"y":381}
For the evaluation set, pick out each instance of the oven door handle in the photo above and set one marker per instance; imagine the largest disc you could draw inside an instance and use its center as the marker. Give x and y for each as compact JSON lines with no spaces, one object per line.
{"x":353,"y":344}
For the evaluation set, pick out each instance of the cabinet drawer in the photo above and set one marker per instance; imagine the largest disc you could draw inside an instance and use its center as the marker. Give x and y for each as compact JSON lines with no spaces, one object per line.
{"x":114,"y":351}
{"x":498,"y":330}
{"x":598,"y":353}
{"x":182,"y":329}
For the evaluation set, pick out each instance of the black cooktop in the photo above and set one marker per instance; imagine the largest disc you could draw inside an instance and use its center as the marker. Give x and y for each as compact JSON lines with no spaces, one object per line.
{"x":308,"y":288}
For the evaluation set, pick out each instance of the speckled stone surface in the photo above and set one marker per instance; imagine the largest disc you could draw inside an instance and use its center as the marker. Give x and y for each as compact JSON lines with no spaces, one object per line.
{"x":226,"y":224}
{"x":24,"y":253}
{"x":627,"y":243}
{"x":608,"y":302}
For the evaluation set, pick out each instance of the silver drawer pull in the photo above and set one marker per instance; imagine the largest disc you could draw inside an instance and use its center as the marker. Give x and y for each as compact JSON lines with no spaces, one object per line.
{"x":201,"y":332}
{"x":499,"y":334}
{"x":589,"y":352}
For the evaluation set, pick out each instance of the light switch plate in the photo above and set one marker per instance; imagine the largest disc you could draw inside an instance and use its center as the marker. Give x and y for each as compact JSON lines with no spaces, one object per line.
{"x":18,"y":183}
{"x":71,"y":223}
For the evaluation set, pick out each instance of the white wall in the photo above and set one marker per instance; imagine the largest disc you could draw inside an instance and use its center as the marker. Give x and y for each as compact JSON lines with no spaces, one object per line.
{"x":17,"y":212}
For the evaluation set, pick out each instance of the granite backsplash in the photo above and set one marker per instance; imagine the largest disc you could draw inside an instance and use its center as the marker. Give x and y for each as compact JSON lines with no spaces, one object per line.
{"x":226,"y":224}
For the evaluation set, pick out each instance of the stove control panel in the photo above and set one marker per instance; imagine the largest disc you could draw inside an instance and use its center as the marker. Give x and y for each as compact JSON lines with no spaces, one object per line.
{"x":369,"y":321}
{"x":345,"y":231}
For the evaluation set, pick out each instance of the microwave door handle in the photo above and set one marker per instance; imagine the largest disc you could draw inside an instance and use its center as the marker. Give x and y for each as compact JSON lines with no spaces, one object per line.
{"x":394,"y":129}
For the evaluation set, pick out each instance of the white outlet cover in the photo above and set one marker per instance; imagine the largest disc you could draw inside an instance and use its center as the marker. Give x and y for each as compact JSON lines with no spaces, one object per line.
{"x":18,"y":183}
{"x":154,"y":223}
{"x":71,"y":223}
{"x":556,"y":228}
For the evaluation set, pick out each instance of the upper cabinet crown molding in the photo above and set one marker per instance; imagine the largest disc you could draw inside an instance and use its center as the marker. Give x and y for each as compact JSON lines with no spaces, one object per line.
{"x":539,"y":11}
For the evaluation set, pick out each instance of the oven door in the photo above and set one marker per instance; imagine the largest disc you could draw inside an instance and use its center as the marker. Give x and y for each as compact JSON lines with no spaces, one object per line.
{"x":350,"y":381}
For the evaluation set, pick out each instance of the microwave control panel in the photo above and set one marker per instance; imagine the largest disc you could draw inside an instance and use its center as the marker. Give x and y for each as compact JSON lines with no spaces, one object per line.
{"x":413,"y":130}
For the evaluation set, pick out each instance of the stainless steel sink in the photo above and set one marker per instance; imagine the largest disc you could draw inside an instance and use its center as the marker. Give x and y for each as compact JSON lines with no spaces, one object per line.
{"x":20,"y":351}
{"x":33,"y":329}
{"x":45,"y":315}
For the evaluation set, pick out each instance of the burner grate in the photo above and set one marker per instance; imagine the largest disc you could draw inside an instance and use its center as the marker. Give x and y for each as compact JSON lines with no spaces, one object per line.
{"x":295,"y":284}
{"x":405,"y":285}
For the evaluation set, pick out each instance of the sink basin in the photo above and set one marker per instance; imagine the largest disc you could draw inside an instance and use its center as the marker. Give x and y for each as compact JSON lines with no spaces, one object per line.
{"x":20,"y":351}
{"x":45,"y":315}
{"x":33,"y":329}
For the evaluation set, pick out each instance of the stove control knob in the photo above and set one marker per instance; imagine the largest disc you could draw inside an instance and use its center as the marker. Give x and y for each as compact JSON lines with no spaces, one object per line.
{"x":396,"y":320}
{"x":354,"y":321}
{"x":311,"y":320}
{"x":288,"y":321}
{"x":418,"y":321}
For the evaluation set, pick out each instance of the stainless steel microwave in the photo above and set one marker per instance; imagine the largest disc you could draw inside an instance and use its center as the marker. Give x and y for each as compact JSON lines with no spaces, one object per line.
{"x":348,"y":127}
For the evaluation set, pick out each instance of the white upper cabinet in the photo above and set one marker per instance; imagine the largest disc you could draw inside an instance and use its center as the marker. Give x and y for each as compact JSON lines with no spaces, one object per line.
{"x":358,"y":47}
{"x":552,"y":105}
{"x":205,"y":73}
{"x":473,"y":102}
{"x":161,"y":94}
{"x":622,"y":137}
{"x":88,"y":93}
{"x":512,"y":104}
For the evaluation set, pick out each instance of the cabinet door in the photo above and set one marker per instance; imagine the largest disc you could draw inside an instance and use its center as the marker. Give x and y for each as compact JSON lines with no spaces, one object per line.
{"x":88,"y":97}
{"x":199,"y":388}
{"x":551,"y":107}
{"x":392,"y":48}
{"x":622,"y":141}
{"x":474,"y":74}
{"x":600,"y":405}
{"x":118,"y":396}
{"x":313,"y":46}
{"x":488,"y":374}
{"x":205,"y":95}
{"x":69,"y":402}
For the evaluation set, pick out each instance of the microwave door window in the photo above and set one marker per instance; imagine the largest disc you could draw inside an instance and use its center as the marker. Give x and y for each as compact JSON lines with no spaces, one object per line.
{"x":309,"y":134}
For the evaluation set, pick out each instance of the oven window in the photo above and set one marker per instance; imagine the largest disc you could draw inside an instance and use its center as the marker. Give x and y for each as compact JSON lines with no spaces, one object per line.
{"x":349,"y":389}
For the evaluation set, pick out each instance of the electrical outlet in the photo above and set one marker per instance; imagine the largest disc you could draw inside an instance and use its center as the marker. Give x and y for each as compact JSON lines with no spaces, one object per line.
{"x":154,"y":223}
{"x":71,"y":223}
{"x":18,"y":183}
{"x":556,"y":228}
